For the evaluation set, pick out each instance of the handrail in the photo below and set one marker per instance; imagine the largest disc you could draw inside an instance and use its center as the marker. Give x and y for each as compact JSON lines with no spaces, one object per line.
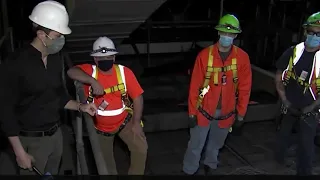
{"x":8,"y":33}
{"x":95,"y":144}
{"x":262,"y":71}
{"x":76,"y":118}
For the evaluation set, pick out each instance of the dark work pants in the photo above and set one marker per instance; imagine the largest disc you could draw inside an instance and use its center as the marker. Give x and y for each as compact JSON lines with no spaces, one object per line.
{"x":47,"y":152}
{"x":306,"y":134}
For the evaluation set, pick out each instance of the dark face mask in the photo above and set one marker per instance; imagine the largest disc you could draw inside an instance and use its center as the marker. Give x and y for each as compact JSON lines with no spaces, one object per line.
{"x":105,"y":65}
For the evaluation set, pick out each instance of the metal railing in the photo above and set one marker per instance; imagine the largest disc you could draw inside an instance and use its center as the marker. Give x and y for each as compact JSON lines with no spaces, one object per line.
{"x":9,"y":47}
{"x":82,"y":167}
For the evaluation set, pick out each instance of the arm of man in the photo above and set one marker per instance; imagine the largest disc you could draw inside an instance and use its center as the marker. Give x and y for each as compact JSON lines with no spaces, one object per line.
{"x":77,"y":73}
{"x":244,"y":86}
{"x":9,"y":94}
{"x":81,"y":73}
{"x":135,"y":92}
{"x":197,"y":78}
{"x":281,"y":65}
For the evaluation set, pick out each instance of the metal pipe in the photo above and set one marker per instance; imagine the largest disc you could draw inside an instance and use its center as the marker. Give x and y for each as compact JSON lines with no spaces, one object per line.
{"x":221,"y":7}
{"x":4,"y":9}
{"x":238,"y":155}
{"x":101,"y":23}
{"x":95,"y":144}
{"x":148,"y":43}
{"x":80,"y":145}
{"x":82,"y":167}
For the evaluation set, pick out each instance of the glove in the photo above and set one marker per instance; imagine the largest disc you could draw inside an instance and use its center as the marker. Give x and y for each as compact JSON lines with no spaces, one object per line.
{"x":237,"y":126}
{"x":192,"y":121}
{"x":291,"y":110}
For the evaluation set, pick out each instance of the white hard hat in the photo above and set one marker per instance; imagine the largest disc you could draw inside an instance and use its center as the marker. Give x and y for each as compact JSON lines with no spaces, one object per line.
{"x":51,"y":15}
{"x":103,"y":46}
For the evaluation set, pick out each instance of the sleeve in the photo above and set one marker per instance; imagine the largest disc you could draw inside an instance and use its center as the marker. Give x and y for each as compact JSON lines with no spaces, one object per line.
{"x":283,"y":61}
{"x":133,"y":87}
{"x":64,"y":97}
{"x":9,"y":94}
{"x":196,"y":82}
{"x":62,"y":90}
{"x":87,"y":68}
{"x":244,"y":85}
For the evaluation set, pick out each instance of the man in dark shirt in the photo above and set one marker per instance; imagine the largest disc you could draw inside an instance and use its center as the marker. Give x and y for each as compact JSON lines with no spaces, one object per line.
{"x":33,"y":93}
{"x":298,"y":70}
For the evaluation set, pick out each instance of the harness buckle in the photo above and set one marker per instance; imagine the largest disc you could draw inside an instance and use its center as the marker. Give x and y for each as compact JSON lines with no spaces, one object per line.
{"x":284,"y":110}
{"x":235,"y":80}
{"x":204,"y":91}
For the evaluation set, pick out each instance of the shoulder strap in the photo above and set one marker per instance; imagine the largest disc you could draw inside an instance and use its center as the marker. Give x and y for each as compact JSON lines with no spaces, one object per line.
{"x":207,"y":77}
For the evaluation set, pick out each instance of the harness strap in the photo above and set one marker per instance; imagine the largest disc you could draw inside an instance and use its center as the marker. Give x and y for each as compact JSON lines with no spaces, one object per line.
{"x":291,"y":74}
{"x":119,"y":87}
{"x":211,"y":118}
{"x":216,"y":71}
{"x":126,"y":120}
{"x":207,"y":78}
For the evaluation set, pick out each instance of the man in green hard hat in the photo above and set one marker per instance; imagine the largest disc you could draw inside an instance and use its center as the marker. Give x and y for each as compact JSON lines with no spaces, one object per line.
{"x":222,"y":73}
{"x":298,"y":86}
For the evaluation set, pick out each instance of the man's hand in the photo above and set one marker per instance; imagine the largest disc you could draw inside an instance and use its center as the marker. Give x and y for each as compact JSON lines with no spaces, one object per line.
{"x":291,"y":110}
{"x":97,"y":88}
{"x":309,"y":108}
{"x":237,"y":126}
{"x":88,"y":108}
{"x":137,"y":129}
{"x":192,"y":121}
{"x":25,"y":160}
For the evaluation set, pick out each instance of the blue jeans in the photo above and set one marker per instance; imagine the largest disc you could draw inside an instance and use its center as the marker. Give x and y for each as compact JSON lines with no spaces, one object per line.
{"x":198,"y":136}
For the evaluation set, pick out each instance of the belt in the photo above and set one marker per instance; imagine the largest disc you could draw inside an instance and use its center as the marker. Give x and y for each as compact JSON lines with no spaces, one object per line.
{"x":211,"y":118}
{"x":48,"y":132}
{"x":126,"y":120}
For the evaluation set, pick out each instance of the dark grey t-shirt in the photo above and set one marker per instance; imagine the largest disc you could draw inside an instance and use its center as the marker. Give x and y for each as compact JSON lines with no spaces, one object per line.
{"x":296,"y":93}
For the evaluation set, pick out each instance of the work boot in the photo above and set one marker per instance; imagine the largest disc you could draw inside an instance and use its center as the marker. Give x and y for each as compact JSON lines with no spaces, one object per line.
{"x":209,"y":171}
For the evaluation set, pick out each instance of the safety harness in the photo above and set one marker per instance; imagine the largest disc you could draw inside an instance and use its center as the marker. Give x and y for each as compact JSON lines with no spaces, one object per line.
{"x":121,"y":86}
{"x":307,"y":84}
{"x":215,"y":72}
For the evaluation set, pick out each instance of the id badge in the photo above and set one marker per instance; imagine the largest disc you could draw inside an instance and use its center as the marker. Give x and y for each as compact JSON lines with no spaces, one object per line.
{"x":303,"y":75}
{"x":224,"y":79}
{"x":103,"y":105}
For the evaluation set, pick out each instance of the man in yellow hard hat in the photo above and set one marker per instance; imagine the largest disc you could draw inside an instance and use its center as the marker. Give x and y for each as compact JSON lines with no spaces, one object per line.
{"x":222,"y":72}
{"x":298,"y":86}
{"x":32,"y":93}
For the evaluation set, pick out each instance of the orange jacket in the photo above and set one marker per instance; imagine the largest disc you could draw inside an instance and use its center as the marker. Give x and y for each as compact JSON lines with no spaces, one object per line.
{"x":228,"y":99}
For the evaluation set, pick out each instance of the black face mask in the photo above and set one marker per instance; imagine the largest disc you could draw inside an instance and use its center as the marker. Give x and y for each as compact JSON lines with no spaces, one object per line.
{"x":105,"y":65}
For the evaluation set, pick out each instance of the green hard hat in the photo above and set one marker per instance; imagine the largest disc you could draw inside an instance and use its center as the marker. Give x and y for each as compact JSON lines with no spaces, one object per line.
{"x":229,"y":23}
{"x":313,"y":20}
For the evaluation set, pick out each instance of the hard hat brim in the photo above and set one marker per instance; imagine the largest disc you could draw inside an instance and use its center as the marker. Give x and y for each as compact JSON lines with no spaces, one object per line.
{"x":64,"y":31}
{"x":308,"y":25}
{"x":99,"y":54}
{"x":227,"y":30}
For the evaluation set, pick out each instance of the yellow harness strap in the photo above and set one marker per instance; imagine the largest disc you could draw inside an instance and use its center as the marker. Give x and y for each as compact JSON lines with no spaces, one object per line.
{"x":207,"y":78}
{"x":291,"y":74}
{"x":216,"y":71}
{"x":290,"y":67}
{"x":119,"y":87}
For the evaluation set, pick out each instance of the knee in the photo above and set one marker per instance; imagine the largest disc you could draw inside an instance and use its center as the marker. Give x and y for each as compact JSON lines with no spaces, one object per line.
{"x":139,"y":145}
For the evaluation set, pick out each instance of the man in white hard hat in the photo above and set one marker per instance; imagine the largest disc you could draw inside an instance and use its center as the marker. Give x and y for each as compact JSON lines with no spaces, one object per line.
{"x":33,"y":94}
{"x":109,"y":85}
